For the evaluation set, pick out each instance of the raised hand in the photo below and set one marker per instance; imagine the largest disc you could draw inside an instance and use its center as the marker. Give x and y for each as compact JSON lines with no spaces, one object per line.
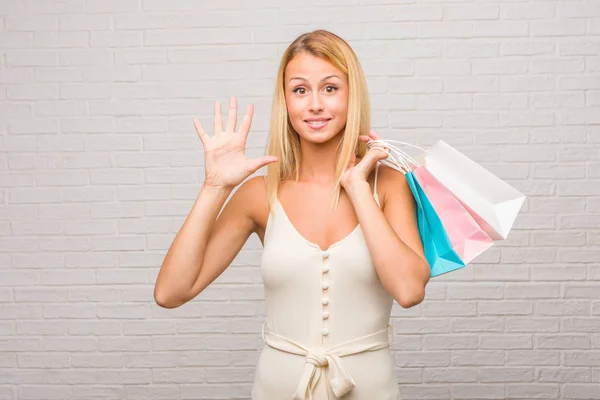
{"x":359,"y":171}
{"x":225,"y":162}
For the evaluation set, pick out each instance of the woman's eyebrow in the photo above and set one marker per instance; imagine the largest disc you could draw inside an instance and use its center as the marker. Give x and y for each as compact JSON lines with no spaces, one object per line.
{"x":324,"y":79}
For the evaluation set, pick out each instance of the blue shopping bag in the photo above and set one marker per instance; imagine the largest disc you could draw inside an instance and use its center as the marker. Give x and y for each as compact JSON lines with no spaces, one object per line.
{"x":438,"y":249}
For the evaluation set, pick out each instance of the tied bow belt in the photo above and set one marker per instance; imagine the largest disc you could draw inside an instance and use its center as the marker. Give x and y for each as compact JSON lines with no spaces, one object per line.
{"x":340,"y":380}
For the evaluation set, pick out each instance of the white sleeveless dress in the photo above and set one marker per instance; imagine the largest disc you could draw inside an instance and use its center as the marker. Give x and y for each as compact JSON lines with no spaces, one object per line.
{"x":327,"y":329}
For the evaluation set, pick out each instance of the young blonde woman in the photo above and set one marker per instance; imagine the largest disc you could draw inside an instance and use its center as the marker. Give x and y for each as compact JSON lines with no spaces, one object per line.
{"x":340,"y":236}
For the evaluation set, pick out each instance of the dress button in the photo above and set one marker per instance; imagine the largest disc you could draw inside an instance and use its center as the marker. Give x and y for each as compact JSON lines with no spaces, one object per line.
{"x":325,"y":332}
{"x":325,"y":254}
{"x":325,"y":269}
{"x":325,"y":314}
{"x":325,"y":301}
{"x":325,"y":285}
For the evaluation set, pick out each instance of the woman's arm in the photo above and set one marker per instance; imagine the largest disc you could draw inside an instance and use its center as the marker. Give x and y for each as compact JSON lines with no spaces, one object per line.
{"x":205,"y":245}
{"x":392,"y":236}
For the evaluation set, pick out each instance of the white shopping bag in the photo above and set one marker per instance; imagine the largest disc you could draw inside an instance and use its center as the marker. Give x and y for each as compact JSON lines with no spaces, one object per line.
{"x":493,"y":203}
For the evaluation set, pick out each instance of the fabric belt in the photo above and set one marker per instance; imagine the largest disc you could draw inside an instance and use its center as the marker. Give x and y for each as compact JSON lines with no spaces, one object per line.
{"x":339,"y":379}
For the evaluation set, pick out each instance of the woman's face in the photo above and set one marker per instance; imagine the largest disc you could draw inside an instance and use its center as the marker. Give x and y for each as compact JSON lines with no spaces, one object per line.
{"x":316,"y":94}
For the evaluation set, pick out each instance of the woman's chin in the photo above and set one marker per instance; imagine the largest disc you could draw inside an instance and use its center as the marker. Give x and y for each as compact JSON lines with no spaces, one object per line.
{"x":318,"y":137}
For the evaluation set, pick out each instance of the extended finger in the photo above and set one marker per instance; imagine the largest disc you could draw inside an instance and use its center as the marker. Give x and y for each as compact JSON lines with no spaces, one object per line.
{"x":218,"y":118}
{"x":201,"y":132}
{"x":247,"y":121}
{"x":254,"y":164}
{"x":232,"y":115}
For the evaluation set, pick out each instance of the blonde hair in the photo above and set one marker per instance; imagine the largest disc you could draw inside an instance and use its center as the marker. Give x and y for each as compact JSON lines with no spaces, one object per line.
{"x":284,"y":142}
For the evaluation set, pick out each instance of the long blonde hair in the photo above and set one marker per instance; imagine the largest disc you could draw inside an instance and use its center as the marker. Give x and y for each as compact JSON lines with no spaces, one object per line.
{"x":284,"y":142}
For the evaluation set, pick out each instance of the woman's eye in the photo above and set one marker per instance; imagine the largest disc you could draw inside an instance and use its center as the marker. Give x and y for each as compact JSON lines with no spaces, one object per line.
{"x":330,"y":87}
{"x":299,"y":90}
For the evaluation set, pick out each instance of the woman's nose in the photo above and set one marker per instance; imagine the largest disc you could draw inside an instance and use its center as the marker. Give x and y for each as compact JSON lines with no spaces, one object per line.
{"x":316,"y":104}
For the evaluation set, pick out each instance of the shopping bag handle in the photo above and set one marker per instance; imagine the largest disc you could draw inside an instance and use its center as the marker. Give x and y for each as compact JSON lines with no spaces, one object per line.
{"x":399,"y":142}
{"x":402,"y":153}
{"x":399,"y":156}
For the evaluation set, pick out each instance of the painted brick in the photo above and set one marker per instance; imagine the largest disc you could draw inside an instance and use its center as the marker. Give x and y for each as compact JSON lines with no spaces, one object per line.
{"x":100,"y":166}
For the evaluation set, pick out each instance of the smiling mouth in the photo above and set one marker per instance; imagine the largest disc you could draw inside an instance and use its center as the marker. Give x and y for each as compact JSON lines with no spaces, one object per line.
{"x":318,"y":124}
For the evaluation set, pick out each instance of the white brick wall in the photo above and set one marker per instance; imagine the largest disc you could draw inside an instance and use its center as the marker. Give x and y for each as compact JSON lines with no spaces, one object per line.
{"x":99,"y":165}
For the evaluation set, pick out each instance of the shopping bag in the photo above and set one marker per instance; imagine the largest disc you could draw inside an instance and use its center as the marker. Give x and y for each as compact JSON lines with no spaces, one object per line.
{"x":467,"y":238}
{"x":437,"y":246}
{"x":493,"y":203}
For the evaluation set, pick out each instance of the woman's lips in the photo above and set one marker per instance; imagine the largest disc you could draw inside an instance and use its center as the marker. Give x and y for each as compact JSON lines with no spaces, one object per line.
{"x":317,"y":125}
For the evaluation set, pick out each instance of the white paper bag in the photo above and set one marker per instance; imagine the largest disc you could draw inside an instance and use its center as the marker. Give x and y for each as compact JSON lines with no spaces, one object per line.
{"x":493,"y":203}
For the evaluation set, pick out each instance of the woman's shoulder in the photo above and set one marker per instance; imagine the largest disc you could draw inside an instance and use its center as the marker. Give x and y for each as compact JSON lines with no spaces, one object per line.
{"x":389,"y":175}
{"x":254,"y":190}
{"x":390,"y":182}
{"x":255,"y":198}
{"x":257,"y":182}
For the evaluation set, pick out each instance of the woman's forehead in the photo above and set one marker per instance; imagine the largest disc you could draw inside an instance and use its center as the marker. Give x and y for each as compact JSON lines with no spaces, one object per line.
{"x":310,"y":67}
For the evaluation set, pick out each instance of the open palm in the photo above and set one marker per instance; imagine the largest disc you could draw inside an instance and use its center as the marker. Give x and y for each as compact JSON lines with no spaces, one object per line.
{"x":225,"y":161}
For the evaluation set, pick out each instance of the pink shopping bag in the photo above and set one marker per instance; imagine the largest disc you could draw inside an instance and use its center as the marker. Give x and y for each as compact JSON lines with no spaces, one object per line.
{"x":493,"y":203}
{"x":467,"y":237}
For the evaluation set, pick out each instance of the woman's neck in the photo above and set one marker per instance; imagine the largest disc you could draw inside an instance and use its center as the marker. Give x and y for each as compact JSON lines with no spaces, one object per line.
{"x":318,"y":162}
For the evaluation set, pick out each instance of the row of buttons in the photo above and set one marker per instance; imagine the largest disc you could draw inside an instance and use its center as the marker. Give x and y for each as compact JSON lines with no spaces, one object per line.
{"x":325,"y":286}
